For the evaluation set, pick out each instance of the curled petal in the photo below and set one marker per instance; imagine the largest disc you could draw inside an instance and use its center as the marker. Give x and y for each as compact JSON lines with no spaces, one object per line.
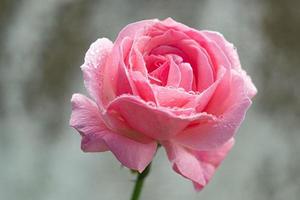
{"x":187,"y":76}
{"x":86,"y":119}
{"x":96,"y":137}
{"x":228,"y":49}
{"x":174,"y":75}
{"x":155,"y":122}
{"x":229,"y":110}
{"x":142,"y":86}
{"x":130,"y":153}
{"x":95,"y":61}
{"x":135,"y":30}
{"x":198,"y":166}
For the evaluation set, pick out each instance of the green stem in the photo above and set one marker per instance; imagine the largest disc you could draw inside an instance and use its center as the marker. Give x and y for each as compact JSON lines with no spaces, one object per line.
{"x":139,"y":183}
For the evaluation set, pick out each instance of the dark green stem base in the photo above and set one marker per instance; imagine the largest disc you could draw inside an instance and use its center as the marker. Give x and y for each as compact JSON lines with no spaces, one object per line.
{"x":139,"y":183}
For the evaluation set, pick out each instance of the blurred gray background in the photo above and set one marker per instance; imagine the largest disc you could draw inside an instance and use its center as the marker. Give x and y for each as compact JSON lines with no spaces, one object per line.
{"x":42,"y":45}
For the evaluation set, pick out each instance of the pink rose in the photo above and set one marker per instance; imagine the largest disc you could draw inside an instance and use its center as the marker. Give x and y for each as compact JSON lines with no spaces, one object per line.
{"x":162,"y":82}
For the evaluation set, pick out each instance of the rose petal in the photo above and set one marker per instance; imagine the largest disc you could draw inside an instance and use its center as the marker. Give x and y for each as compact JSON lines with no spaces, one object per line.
{"x":228,"y":49}
{"x":200,"y":62}
{"x":174,"y":75}
{"x":142,"y":86}
{"x":187,"y":76}
{"x":155,"y":122}
{"x":172,"y":97}
{"x":230,"y":112}
{"x":198,"y":166}
{"x":134,"y":30}
{"x":209,"y":134}
{"x":95,"y":60}
{"x":123,"y":83}
{"x":130,"y":153}
{"x":87,"y":120}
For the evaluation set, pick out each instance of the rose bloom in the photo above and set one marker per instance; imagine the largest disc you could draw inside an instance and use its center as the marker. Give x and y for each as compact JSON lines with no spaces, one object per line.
{"x":162,"y":82}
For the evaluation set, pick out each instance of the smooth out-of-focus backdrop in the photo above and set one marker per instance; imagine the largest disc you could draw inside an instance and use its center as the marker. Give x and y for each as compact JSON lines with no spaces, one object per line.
{"x":42,"y":45}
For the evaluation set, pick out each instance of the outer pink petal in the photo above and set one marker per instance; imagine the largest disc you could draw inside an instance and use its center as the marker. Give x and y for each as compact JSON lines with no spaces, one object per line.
{"x":130,"y":153}
{"x":232,"y":55}
{"x":210,"y":134}
{"x":95,"y":60}
{"x":155,"y":122}
{"x":198,"y":166}
{"x":211,"y":160}
{"x":228,"y":49}
{"x":135,"y":30}
{"x":230,"y":111}
{"x":87,"y":120}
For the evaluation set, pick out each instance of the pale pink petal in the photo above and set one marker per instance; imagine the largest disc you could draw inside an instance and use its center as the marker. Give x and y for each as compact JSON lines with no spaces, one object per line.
{"x":251,"y":89}
{"x":211,"y":160}
{"x":198,"y":166}
{"x":232,"y":55}
{"x":96,"y":137}
{"x":95,"y":61}
{"x":132,"y":154}
{"x":228,"y":49}
{"x":184,"y":162}
{"x":86,"y":119}
{"x":232,"y":90}
{"x":135,"y":29}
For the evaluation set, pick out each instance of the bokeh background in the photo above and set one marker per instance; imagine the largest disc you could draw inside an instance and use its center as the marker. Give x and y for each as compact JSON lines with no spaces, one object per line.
{"x":42,"y":45}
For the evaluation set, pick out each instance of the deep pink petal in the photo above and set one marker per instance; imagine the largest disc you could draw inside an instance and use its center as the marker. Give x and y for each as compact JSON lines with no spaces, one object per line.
{"x":187,"y":76}
{"x":198,"y":166}
{"x":142,"y":86}
{"x":174,"y":75}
